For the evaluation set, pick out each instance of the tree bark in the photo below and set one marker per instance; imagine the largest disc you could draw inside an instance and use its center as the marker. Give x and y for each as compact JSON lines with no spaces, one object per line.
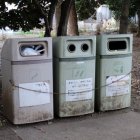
{"x":65,"y":11}
{"x":46,"y":20}
{"x":72,"y":21}
{"x":51,"y":13}
{"x":47,"y":28}
{"x":124,"y":17}
{"x":57,"y":15}
{"x":138,"y":32}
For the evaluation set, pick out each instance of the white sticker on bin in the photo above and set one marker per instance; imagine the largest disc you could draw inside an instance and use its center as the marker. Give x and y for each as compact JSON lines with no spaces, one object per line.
{"x":29,"y":95}
{"x":120,"y":85}
{"x":80,"y":89}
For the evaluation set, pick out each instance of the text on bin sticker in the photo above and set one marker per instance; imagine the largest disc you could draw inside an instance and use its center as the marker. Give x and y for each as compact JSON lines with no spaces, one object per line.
{"x":80,"y":89}
{"x":120,"y":85}
{"x":32,"y":94}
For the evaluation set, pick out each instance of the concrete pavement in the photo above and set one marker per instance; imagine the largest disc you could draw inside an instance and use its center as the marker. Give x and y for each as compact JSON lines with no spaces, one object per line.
{"x":118,"y":125}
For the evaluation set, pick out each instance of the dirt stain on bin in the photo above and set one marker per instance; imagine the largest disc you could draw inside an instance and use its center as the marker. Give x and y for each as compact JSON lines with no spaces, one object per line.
{"x":34,"y":116}
{"x":113,"y":103}
{"x":76,"y":108}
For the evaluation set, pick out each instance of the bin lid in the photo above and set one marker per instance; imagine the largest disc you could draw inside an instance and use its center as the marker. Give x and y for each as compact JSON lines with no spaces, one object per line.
{"x":114,"y":44}
{"x":74,"y":46}
{"x":24,"y":49}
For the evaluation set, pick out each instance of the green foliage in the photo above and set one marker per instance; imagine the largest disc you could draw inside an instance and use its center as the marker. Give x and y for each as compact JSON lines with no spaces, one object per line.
{"x":85,"y":8}
{"x":134,"y":6}
{"x":27,"y":16}
{"x":3,"y":14}
{"x":24,"y":18}
{"x":116,"y":5}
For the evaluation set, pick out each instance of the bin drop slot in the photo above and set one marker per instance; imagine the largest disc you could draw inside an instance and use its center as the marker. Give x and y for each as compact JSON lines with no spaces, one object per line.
{"x":32,"y":50}
{"x":84,"y":47}
{"x":71,"y":48}
{"x":117,"y":45}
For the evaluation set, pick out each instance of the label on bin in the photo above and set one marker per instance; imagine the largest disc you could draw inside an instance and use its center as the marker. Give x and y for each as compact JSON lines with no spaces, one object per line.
{"x":80,"y":89}
{"x":117,"y":85}
{"x":32,"y":94}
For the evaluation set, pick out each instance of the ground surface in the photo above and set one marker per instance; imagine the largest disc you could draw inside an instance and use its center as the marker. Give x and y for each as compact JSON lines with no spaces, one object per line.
{"x":136,"y":75}
{"x":114,"y":125}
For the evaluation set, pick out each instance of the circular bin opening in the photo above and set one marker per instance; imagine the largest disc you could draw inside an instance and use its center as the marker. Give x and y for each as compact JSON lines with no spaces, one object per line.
{"x":84,"y":47}
{"x":71,"y":48}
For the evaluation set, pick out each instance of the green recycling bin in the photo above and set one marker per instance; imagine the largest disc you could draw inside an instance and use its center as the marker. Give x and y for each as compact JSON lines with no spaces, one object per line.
{"x":74,"y":75}
{"x":113,"y":72}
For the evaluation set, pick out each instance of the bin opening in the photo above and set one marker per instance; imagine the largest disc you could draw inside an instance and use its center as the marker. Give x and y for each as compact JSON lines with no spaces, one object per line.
{"x":71,"y":48}
{"x":32,"y":50}
{"x":84,"y":47}
{"x":117,"y":45}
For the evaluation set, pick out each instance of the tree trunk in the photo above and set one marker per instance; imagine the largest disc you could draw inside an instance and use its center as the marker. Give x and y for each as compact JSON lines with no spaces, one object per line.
{"x":72,"y":22}
{"x":47,"y":19}
{"x":65,"y":11}
{"x":57,"y":16}
{"x":124,"y":17}
{"x":47,"y":28}
{"x":138,"y":32}
{"x":51,"y":13}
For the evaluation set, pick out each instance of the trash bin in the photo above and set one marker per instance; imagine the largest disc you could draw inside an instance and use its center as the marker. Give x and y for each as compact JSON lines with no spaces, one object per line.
{"x":27,"y":83}
{"x":113,"y":71}
{"x":74,"y":75}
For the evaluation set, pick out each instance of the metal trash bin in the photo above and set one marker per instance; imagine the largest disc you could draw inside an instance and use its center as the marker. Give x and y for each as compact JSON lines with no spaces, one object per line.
{"x":113,"y":71}
{"x":27,"y":83}
{"x":74,"y":75}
